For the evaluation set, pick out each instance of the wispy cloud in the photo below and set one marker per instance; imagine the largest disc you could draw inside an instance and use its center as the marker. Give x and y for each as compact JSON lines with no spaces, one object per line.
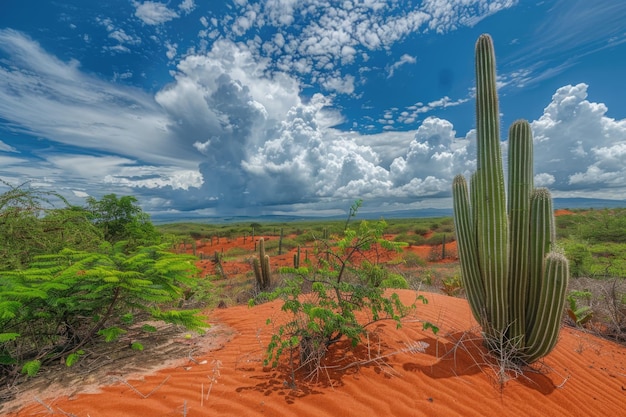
{"x":45,"y":97}
{"x":404,"y":60}
{"x":569,"y":30}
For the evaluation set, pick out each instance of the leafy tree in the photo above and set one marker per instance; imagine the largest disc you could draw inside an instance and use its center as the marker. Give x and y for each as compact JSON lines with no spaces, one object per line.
{"x":32,"y":223}
{"x":121,"y":219}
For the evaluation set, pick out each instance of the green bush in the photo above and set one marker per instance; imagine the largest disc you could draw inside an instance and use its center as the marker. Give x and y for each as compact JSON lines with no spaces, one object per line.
{"x":64,"y":301}
{"x":395,"y":281}
{"x":439,"y":238}
{"x":411,"y":239}
{"x":579,"y":256}
{"x":413,"y":260}
{"x":421,"y":230}
{"x":340,"y":287}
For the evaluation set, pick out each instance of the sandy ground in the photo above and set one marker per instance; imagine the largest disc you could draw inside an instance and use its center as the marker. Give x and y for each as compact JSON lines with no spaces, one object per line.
{"x":583,"y":376}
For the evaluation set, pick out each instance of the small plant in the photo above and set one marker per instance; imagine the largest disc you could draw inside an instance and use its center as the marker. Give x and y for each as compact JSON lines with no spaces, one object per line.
{"x":579,"y":314}
{"x":452,"y":285}
{"x":343,"y":286}
{"x":72,"y":358}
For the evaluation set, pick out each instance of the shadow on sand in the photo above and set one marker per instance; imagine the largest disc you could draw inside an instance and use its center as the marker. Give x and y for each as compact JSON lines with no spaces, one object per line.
{"x":463,"y":353}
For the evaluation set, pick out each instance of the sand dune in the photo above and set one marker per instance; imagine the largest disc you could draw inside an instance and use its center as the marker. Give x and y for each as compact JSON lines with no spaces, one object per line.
{"x":583,"y":376}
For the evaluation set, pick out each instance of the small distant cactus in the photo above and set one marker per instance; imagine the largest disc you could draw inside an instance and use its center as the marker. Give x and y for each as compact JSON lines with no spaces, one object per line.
{"x":261,"y":266}
{"x":514,"y":280}
{"x":296,"y":258}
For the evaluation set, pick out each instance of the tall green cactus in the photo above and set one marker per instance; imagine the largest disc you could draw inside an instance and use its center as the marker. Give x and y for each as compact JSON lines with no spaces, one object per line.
{"x":515,"y":283}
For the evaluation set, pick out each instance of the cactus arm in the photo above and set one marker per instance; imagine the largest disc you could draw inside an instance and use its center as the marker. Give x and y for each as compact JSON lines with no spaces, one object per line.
{"x":267,"y":275}
{"x":540,"y":242}
{"x":466,"y":239}
{"x":492,"y":223}
{"x":520,"y":190}
{"x":542,"y":337}
{"x":256,"y":266}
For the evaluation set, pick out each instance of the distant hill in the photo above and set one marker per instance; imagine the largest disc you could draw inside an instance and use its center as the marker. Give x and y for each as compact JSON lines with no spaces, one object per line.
{"x":559,"y":203}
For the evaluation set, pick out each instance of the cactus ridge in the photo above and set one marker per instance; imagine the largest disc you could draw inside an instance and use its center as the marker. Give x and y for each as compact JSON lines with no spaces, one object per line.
{"x":515,"y":284}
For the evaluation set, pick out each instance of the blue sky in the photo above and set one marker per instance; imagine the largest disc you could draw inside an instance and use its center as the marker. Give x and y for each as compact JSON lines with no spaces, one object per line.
{"x":300,"y":107}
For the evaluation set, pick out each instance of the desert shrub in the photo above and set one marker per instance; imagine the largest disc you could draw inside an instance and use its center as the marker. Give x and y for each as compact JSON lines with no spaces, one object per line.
{"x":608,"y":260}
{"x":421,"y":230}
{"x":411,"y":239}
{"x":452,"y":285}
{"x":579,"y":256}
{"x":340,"y":287}
{"x":413,"y":260}
{"x":604,"y":226}
{"x":303,"y":238}
{"x":235,"y":252}
{"x":599,"y":305}
{"x":438,"y":238}
{"x":395,"y":281}
{"x":65,"y":300}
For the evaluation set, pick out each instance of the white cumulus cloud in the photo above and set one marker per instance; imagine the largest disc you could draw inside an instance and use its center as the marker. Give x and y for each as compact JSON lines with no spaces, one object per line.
{"x":578,"y":145}
{"x":154,"y":13}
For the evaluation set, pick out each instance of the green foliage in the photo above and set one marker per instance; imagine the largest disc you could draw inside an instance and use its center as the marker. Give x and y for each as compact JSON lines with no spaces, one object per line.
{"x":394,"y":281}
{"x":579,"y":314}
{"x":8,"y":337}
{"x":111,"y":334}
{"x":121,"y":219}
{"x":411,"y":239}
{"x":190,"y":319}
{"x":65,"y":299}
{"x":136,"y":346}
{"x":608,"y":225}
{"x":31,"y":368}
{"x":31,"y":224}
{"x":452,"y":285}
{"x":579,"y":257}
{"x":341,"y":285}
{"x":72,"y":358}
{"x":148,"y":328}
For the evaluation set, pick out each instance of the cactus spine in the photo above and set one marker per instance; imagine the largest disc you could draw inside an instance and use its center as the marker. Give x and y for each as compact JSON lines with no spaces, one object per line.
{"x":261,"y":266}
{"x":515,"y":285}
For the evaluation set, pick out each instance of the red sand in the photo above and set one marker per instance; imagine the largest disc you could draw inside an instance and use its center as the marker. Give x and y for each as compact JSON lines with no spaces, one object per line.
{"x":583,"y":376}
{"x":242,"y":264}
